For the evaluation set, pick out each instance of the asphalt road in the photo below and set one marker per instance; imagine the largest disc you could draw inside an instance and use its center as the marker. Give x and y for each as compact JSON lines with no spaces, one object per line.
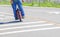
{"x":50,"y":14}
{"x":38,"y":22}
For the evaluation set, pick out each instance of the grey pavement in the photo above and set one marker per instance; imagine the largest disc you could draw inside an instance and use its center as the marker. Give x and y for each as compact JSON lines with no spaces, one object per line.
{"x":33,"y":13}
{"x":38,"y":22}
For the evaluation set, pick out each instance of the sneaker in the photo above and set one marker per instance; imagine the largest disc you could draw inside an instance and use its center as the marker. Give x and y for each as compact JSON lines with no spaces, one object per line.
{"x":16,"y":18}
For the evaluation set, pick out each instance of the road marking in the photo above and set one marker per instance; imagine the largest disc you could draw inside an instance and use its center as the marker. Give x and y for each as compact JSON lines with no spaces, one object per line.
{"x":27,"y":26}
{"x":55,"y":12}
{"x":4,"y":33}
{"x":23,"y":23}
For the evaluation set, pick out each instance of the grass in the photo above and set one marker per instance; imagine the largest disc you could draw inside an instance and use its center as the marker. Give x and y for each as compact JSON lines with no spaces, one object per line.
{"x":4,"y":3}
{"x":27,"y":4}
{"x":49,"y":4}
{"x":45,"y":4}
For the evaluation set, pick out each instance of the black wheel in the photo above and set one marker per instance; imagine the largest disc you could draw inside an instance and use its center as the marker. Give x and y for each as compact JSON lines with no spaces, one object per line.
{"x":19,"y":16}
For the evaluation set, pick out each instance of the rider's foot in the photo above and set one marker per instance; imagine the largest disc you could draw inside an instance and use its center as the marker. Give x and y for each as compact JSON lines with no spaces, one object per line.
{"x":16,"y":18}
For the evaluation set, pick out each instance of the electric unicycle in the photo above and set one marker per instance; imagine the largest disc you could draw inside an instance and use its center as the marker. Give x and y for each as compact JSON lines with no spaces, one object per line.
{"x":19,"y":15}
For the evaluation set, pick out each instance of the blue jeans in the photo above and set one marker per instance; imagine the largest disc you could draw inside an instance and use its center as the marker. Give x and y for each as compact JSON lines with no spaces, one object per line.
{"x":14,"y":6}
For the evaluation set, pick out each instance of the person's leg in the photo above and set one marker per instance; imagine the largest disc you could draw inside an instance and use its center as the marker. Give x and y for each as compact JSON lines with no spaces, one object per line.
{"x":21,"y":8}
{"x":14,"y":10}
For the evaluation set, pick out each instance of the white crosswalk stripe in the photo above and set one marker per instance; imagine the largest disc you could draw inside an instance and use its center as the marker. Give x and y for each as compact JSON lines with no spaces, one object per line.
{"x":29,"y":30}
{"x":25,"y":27}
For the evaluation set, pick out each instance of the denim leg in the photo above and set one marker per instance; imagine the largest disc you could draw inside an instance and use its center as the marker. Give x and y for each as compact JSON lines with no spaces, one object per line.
{"x":14,"y":10}
{"x":21,"y":8}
